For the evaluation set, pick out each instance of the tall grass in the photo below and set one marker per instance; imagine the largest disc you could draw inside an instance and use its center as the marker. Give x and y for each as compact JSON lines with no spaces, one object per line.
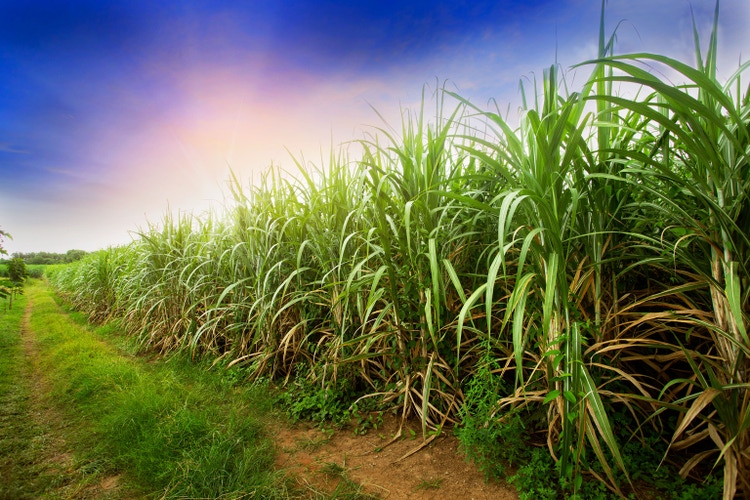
{"x":594,"y":259}
{"x":695,"y":180}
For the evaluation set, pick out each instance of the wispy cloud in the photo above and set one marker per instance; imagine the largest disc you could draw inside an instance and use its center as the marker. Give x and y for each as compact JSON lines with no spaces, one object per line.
{"x":67,"y":172}
{"x":9,"y":148}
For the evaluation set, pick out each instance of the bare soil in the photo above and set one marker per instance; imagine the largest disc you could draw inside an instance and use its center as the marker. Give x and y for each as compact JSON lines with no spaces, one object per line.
{"x":407,"y":468}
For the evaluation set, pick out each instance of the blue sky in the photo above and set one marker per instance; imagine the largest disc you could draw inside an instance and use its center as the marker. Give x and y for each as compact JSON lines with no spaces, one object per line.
{"x":113,"y":112}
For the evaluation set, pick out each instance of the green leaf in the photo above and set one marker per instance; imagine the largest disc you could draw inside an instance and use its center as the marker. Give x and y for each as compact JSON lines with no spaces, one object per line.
{"x":553,"y":394}
{"x":569,"y":396}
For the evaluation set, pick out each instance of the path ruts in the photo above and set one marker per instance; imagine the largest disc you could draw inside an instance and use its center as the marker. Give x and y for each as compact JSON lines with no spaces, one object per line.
{"x":36,"y":461}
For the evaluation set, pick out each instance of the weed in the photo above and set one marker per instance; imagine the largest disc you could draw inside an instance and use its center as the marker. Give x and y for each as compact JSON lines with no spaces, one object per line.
{"x":492,"y":441}
{"x":537,"y":479}
{"x":315,"y":443}
{"x":306,"y":399}
{"x":345,"y":488}
{"x":366,"y":421}
{"x":332,"y":469}
{"x":429,"y":484}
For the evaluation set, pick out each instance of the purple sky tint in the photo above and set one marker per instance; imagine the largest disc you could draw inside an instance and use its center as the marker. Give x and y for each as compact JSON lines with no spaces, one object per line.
{"x":112,"y":112}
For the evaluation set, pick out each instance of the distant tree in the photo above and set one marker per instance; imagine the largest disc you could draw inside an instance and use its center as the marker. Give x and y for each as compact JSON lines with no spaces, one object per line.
{"x":42,"y":258}
{"x":50,"y":257}
{"x":74,"y":255}
{"x":17,"y":270}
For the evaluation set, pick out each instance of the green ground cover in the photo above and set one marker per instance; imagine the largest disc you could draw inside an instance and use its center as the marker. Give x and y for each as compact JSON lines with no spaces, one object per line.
{"x":167,"y":430}
{"x":20,"y":465}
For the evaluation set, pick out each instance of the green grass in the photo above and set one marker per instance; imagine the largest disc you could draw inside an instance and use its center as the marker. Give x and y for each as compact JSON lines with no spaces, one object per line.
{"x":34,"y":458}
{"x":20,"y":462}
{"x":175,"y":431}
{"x":429,"y":484}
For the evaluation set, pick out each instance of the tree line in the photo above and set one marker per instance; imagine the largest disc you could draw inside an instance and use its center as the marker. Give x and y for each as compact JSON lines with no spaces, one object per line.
{"x":50,"y":257}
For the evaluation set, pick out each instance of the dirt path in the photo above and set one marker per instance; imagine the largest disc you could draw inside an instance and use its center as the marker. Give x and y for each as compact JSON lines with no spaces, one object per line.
{"x":322,"y":459}
{"x":39,"y":462}
{"x":43,"y":415}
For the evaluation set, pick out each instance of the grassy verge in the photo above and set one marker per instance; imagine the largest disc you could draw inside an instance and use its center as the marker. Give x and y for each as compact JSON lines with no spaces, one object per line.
{"x":171,"y":429}
{"x":35,"y":459}
{"x":21,"y":463}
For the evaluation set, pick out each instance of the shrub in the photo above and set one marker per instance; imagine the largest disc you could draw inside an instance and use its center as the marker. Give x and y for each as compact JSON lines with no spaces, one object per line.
{"x":17,"y":270}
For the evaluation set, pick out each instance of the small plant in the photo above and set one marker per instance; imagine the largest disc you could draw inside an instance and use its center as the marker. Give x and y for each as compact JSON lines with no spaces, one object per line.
{"x":345,"y":487}
{"x":306,"y":399}
{"x":537,"y":479}
{"x":8,"y":290}
{"x":314,"y":443}
{"x":332,"y":469}
{"x":366,"y":421}
{"x":492,"y":441}
{"x":429,"y":484}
